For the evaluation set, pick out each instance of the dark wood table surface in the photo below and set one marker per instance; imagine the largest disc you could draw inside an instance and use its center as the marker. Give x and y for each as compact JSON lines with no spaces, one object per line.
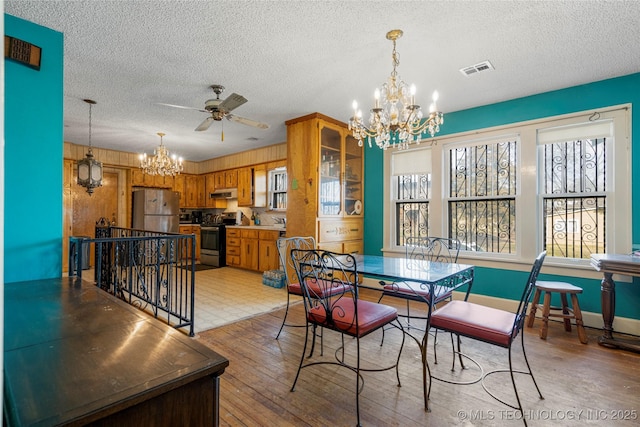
{"x":74,"y":355}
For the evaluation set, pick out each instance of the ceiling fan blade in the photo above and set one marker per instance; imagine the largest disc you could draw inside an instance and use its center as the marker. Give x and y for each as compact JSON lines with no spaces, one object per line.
{"x":205,"y":124}
{"x":181,"y":106}
{"x":232,"y":102}
{"x":246,"y":121}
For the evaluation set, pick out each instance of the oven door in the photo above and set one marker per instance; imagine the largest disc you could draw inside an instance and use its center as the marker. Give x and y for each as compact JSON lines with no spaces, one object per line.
{"x":212,"y":246}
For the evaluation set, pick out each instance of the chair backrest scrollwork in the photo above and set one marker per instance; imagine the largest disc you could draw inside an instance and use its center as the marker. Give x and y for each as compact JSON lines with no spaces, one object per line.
{"x":285,"y":245}
{"x":327,"y":279}
{"x":438,"y":249}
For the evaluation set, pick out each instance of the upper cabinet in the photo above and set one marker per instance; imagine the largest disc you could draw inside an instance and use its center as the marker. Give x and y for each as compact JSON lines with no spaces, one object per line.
{"x":340,"y":173}
{"x":325,"y":169}
{"x":231,"y":178}
{"x":252,"y":186}
{"x":141,"y":179}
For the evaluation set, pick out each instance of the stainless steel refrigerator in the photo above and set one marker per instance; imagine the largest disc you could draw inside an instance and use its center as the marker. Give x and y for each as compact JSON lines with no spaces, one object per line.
{"x":156,"y":210}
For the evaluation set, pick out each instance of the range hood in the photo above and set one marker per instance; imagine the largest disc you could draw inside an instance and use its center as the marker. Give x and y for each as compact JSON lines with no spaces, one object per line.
{"x":230,"y":193}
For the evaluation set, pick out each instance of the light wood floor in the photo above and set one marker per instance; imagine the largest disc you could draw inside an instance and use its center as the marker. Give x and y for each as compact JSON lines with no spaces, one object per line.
{"x":582,"y":384}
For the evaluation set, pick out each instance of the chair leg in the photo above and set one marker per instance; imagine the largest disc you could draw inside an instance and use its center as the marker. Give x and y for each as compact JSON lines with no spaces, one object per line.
{"x":545,"y":315}
{"x":534,"y":308}
{"x":582,"y":335}
{"x":357,"y":377}
{"x":380,"y":299}
{"x":286,"y":311}
{"x":526,"y":360}
{"x":313,"y":340}
{"x":515,"y":389}
{"x":304,"y":351}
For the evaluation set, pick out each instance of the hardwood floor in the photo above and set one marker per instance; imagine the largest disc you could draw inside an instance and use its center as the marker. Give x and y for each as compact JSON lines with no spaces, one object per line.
{"x":582,"y":384}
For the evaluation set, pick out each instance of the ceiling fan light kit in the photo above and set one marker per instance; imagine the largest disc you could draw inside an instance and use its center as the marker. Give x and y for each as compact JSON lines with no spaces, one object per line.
{"x":219,"y":109}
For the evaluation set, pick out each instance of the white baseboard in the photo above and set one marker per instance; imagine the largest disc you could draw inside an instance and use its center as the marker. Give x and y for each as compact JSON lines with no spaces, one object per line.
{"x":623,"y":325}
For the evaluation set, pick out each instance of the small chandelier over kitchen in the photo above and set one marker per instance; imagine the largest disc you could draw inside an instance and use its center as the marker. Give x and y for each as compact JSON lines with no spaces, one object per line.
{"x":395,"y":118}
{"x":89,"y":169}
{"x":161,"y":163}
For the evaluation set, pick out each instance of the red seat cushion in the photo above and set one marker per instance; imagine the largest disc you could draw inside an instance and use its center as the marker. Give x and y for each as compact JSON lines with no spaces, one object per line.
{"x":323,"y":289}
{"x":371,"y":316}
{"x":476,"y":321}
{"x":295,"y":288}
{"x":414,"y":291}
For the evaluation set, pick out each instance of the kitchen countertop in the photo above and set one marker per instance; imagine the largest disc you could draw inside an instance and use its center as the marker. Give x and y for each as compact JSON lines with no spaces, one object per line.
{"x":259,"y":227}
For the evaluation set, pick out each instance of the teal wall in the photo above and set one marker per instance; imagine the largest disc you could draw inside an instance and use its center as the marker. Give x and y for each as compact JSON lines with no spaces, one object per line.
{"x":621,"y":90}
{"x":33,"y":157}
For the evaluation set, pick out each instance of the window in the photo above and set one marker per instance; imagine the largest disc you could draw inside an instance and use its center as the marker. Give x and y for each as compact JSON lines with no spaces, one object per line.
{"x":412,"y":188}
{"x":482,"y":196}
{"x":278,"y":189}
{"x":573,"y":188}
{"x":560,"y":184}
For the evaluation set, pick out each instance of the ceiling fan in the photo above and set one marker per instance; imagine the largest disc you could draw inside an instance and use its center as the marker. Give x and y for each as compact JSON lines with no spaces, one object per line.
{"x":221,"y":108}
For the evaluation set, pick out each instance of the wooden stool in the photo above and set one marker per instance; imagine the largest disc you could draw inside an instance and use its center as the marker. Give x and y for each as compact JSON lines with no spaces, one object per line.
{"x":566,"y":313}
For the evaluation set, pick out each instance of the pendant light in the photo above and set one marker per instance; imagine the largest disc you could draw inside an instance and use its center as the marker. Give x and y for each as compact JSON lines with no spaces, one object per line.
{"x":89,"y":169}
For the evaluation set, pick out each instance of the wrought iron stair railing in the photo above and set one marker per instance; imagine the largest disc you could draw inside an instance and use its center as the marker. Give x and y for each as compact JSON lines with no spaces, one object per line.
{"x":152,"y":271}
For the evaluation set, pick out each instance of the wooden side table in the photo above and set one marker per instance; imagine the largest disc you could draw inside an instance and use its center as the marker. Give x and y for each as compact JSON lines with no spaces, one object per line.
{"x":610,"y":264}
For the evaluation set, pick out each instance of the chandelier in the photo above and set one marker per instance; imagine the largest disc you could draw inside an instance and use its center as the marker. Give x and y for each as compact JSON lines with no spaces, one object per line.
{"x":161,"y":163}
{"x":89,"y":169}
{"x":395,"y":118}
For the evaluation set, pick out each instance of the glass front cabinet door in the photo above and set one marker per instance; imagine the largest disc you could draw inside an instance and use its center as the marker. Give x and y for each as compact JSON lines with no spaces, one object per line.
{"x":340,"y":173}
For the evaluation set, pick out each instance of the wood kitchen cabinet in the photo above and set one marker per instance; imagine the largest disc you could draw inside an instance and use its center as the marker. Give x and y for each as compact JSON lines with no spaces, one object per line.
{"x":267,"y":250}
{"x":252,"y":249}
{"x":211,"y":185}
{"x":179,"y":186}
{"x":231,"y":178}
{"x":252,"y":186}
{"x":233,"y":247}
{"x":192,"y":229}
{"x":249,"y":249}
{"x":325,"y":170}
{"x":193,"y":191}
{"x":218,"y":181}
{"x":141,"y":179}
{"x":245,"y":186}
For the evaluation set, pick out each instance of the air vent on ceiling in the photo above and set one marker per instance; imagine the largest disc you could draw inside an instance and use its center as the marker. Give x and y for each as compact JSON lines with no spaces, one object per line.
{"x":475,"y":69}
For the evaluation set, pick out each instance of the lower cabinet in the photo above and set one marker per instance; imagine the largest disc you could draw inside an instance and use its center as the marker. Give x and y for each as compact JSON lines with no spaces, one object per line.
{"x":252,"y":249}
{"x":233,"y":247}
{"x":192,"y":229}
{"x":268,"y":251}
{"x":341,"y":235}
{"x":249,"y":249}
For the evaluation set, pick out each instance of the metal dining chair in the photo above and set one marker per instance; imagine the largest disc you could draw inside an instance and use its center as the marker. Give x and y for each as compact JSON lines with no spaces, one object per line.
{"x":285,"y":245}
{"x":434,"y":249}
{"x":331,"y":300}
{"x":493,"y":326}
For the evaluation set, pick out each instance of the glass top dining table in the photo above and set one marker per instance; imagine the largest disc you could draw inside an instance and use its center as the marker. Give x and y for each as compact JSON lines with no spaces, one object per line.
{"x":438,"y":278}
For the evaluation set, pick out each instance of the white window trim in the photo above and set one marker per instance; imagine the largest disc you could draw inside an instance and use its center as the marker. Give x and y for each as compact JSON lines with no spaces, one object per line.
{"x":619,"y":237}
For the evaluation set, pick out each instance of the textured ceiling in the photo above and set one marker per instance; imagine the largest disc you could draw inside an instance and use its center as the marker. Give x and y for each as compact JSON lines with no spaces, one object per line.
{"x":291,"y":58}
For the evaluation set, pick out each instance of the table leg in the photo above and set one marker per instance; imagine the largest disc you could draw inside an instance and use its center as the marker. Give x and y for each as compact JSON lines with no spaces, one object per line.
{"x":608,"y":301}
